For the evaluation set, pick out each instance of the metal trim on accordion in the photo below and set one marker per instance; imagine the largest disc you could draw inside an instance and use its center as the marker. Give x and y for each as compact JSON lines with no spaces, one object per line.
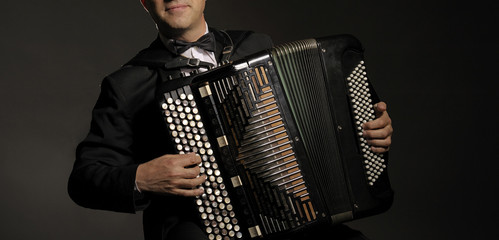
{"x":280,"y":137}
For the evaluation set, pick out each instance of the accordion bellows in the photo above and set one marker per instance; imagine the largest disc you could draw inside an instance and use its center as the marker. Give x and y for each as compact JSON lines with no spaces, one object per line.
{"x":280,"y":137}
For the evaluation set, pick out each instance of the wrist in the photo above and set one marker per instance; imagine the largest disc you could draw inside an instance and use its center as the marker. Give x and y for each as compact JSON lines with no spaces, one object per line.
{"x":139,"y":179}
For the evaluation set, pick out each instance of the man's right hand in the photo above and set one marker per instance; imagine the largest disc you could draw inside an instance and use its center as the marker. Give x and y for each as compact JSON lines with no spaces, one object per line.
{"x":171,"y":174}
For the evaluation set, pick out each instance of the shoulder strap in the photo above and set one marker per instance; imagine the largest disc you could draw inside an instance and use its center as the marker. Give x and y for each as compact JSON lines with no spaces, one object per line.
{"x":232,"y":39}
{"x":228,"y":48}
{"x":175,"y":63}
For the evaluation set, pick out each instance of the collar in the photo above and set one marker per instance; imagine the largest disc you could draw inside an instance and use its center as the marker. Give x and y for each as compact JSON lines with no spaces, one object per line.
{"x":165,"y":39}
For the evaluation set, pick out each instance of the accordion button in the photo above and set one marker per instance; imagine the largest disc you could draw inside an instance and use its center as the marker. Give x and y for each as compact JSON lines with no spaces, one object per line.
{"x":175,"y":114}
{"x":181,"y":134}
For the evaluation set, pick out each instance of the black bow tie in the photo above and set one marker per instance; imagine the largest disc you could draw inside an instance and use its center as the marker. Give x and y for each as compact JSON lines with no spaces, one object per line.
{"x":206,"y":42}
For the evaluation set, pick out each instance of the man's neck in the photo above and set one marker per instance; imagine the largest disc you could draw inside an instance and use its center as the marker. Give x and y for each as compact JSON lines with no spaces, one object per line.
{"x":189,"y":35}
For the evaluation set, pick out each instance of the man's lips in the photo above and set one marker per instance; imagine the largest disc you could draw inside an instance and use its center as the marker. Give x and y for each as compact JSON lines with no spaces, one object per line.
{"x":176,"y":7}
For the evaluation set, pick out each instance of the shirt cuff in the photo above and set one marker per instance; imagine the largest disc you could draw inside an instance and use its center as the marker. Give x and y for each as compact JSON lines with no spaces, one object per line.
{"x":140,"y":201}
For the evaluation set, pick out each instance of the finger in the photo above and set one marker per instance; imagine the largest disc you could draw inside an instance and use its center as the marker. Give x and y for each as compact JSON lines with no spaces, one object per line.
{"x":383,"y":143}
{"x":380,"y":107}
{"x":380,"y":122}
{"x":187,"y":192}
{"x":380,"y":149}
{"x":188,"y":183}
{"x":190,"y":160}
{"x":189,"y":173}
{"x":382,"y":133}
{"x":382,"y":117}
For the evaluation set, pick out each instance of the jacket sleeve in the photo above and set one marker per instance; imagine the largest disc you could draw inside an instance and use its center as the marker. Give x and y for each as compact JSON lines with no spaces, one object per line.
{"x":103,"y":175}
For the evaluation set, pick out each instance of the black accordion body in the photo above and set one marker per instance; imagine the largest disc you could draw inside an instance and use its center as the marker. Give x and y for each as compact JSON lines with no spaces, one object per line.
{"x":279,"y":134}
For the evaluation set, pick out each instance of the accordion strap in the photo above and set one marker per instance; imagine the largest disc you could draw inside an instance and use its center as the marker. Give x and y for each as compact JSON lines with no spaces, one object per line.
{"x":228,"y":48}
{"x":183,"y":62}
{"x":171,"y":64}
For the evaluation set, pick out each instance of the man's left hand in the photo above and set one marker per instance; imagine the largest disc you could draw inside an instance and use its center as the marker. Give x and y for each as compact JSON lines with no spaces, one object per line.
{"x":378,"y":132}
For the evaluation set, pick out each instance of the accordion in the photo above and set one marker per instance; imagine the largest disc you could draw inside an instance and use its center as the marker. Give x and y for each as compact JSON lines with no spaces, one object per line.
{"x":280,"y":137}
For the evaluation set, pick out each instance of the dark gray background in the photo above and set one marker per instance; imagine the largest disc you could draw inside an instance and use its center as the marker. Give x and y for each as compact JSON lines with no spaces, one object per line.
{"x":433,"y":62}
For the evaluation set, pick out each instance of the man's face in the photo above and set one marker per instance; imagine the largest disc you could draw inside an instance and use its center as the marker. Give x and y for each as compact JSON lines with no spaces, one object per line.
{"x":174,"y":16}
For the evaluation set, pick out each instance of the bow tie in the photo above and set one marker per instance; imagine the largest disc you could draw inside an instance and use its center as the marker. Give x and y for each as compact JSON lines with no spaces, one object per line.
{"x":206,"y":42}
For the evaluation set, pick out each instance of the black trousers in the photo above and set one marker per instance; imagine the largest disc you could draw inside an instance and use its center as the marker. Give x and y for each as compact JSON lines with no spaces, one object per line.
{"x":191,"y":231}
{"x":337,"y":232}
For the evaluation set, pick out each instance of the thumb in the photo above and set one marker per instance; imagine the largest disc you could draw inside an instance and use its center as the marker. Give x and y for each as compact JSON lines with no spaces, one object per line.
{"x":380,"y":108}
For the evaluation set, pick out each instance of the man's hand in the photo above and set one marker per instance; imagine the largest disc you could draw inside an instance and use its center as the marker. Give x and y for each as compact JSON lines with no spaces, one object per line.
{"x":378,"y":132}
{"x":171,"y":174}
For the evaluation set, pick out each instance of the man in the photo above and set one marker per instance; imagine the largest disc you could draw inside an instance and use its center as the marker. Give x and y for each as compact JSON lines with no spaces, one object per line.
{"x":125,"y":163}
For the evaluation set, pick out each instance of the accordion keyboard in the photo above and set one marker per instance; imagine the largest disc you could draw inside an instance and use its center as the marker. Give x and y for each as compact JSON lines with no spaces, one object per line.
{"x":363,"y":112}
{"x":189,"y":134}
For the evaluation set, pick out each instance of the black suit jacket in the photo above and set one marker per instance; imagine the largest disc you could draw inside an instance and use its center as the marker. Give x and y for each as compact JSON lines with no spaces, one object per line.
{"x":127,"y":129}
